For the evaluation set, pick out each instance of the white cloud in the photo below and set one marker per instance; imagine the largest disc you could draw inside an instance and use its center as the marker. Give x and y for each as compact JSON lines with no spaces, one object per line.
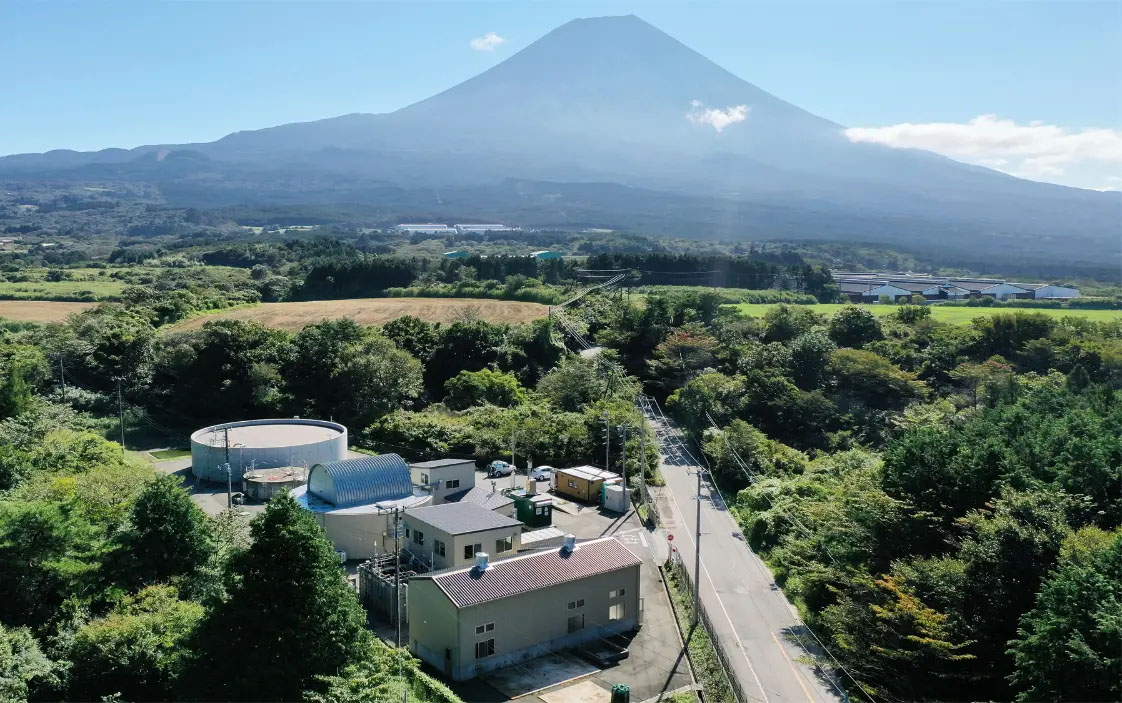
{"x":487,"y":42}
{"x":1035,"y":150}
{"x":719,"y":119}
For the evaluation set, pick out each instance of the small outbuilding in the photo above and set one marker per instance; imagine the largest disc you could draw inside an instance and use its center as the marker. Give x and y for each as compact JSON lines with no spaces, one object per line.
{"x":444,"y":478}
{"x":450,"y":535}
{"x":470,"y":620}
{"x":533,"y":509}
{"x":584,"y":483}
{"x":487,"y":496}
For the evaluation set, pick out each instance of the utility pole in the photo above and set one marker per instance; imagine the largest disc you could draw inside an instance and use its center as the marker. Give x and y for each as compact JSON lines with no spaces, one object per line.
{"x":226,"y":432}
{"x":62,"y":377}
{"x":697,"y":557}
{"x":229,"y":487}
{"x":397,"y":573}
{"x":642,"y":458}
{"x":121,"y":415}
{"x":607,"y":441}
{"x":623,"y":462}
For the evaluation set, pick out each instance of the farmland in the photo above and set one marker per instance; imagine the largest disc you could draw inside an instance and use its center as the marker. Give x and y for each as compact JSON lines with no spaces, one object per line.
{"x":376,"y":311}
{"x":39,"y":310}
{"x":954,"y":315}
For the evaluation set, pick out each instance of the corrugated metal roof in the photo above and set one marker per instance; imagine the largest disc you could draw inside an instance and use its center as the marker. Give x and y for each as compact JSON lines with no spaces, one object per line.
{"x":531,"y":572}
{"x":533,"y":537}
{"x":359,"y":481}
{"x":590,"y":473}
{"x":460,"y":518}
{"x":484,"y":497}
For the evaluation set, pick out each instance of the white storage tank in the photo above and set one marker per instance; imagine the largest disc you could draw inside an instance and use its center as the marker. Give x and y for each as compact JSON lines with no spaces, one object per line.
{"x":265,"y":444}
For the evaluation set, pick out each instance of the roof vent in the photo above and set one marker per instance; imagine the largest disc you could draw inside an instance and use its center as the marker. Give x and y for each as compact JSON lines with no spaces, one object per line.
{"x":481,"y":559}
{"x":570,"y":543}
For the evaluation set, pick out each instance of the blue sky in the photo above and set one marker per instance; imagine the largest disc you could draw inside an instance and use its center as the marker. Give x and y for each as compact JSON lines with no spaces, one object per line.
{"x":97,"y":74}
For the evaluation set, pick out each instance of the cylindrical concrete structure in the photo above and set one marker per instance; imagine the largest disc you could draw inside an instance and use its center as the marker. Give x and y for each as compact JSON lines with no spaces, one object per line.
{"x":262,"y":484}
{"x":265,"y":444}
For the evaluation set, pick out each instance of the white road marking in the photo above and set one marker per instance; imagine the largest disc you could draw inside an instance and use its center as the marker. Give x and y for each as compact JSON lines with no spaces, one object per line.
{"x":739,"y":644}
{"x":642,"y":539}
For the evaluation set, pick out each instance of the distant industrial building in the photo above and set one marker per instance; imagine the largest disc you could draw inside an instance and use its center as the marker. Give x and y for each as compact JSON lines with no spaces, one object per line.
{"x":450,"y":535}
{"x":427,"y":228}
{"x":264,"y":444}
{"x":466,"y":228}
{"x":545,"y":255}
{"x":871,"y":287}
{"x":355,"y":501}
{"x":471,"y":620}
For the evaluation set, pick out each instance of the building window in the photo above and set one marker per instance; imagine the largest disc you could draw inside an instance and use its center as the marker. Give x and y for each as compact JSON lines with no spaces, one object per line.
{"x":484,"y":649}
{"x":574,"y":604}
{"x":480,"y":629}
{"x":504,"y":545}
{"x":471,"y":549}
{"x":617,"y":593}
{"x":424,"y":479}
{"x":576,"y":622}
{"x":419,"y":538}
{"x":454,"y":483}
{"x":616,"y":611}
{"x":572,"y":484}
{"x":407,"y":530}
{"x":438,"y":547}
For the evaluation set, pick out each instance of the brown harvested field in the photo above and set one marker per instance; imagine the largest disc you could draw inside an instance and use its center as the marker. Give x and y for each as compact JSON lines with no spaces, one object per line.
{"x":376,"y":311}
{"x":40,"y":310}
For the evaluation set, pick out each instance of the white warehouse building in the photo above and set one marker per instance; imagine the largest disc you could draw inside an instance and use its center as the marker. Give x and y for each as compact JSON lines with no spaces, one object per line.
{"x":265,"y":444}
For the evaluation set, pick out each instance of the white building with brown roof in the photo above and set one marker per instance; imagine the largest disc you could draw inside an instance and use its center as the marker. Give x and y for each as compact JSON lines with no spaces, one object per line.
{"x":470,"y":620}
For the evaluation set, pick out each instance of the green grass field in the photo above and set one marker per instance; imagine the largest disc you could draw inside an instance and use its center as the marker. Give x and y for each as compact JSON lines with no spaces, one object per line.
{"x":61,"y":290}
{"x":955,"y":315}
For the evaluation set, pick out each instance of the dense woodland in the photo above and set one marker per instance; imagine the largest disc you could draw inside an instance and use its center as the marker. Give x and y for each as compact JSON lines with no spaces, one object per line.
{"x":942,"y":502}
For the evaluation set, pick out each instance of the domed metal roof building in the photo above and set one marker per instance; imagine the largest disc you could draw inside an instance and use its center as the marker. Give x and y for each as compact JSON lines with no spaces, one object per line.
{"x":354,"y":501}
{"x":370,"y":479}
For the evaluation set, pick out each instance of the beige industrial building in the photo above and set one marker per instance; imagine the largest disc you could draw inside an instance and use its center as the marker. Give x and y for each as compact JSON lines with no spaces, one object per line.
{"x":471,"y":620}
{"x":444,"y":477}
{"x":585,"y":483}
{"x":450,"y":535}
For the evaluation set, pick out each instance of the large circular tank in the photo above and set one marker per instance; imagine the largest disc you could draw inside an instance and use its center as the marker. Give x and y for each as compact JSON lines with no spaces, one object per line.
{"x":265,"y":444}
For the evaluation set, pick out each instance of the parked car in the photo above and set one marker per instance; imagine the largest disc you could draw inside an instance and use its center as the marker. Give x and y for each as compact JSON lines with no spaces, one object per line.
{"x":499,"y":468}
{"x":542,"y":473}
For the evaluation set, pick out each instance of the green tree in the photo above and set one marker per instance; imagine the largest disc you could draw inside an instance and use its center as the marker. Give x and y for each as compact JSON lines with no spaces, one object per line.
{"x":340,"y":369}
{"x":686,"y":352}
{"x":138,"y":651}
{"x":711,"y":394}
{"x":23,"y":666}
{"x":1069,"y":646}
{"x":872,"y":380}
{"x":810,"y":357}
{"x":414,"y":335}
{"x":578,"y":382}
{"x":1078,"y":378}
{"x":288,"y":588}
{"x":911,"y":314}
{"x":469,"y":388}
{"x":112,"y":343}
{"x":463,"y":346}
{"x":783,"y":322}
{"x":855,"y":326}
{"x":761,"y":456}
{"x":168,"y":535}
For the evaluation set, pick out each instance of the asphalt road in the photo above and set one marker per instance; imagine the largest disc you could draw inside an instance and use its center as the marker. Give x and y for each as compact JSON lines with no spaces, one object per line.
{"x":753,"y":619}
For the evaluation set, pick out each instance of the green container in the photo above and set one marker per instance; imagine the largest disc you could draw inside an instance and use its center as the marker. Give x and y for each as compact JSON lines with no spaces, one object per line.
{"x":621,"y":693}
{"x":533,"y":510}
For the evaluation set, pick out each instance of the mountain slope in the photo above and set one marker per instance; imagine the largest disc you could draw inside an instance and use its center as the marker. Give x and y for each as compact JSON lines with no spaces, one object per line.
{"x":615,"y":100}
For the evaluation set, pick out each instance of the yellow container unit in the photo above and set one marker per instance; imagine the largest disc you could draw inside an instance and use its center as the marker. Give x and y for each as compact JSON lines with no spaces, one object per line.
{"x":583,"y":483}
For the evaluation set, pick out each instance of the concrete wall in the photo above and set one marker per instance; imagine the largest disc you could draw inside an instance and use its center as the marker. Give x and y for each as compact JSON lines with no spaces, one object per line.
{"x":206,"y":460}
{"x":360,"y":535}
{"x":464,"y":473}
{"x":433,"y":626}
{"x":525,"y":626}
{"x":454,"y":544}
